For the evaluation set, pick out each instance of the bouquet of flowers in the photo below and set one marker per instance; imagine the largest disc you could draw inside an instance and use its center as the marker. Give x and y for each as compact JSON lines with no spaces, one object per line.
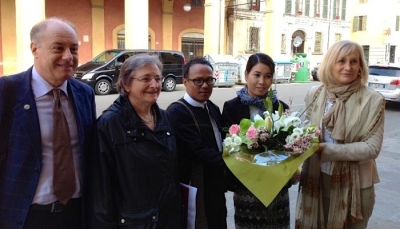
{"x":269,"y":149}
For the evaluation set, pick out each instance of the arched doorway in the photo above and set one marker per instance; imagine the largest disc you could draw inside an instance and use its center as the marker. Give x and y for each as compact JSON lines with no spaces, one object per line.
{"x":300,"y":48}
{"x":121,"y":39}
{"x":192,"y":45}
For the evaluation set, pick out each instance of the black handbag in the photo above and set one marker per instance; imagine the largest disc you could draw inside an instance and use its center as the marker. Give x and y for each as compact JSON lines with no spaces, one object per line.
{"x":6,"y":116}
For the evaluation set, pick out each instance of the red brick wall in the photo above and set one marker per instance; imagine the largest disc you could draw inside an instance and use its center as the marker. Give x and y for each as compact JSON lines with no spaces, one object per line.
{"x":79,"y":13}
{"x":113,"y":16}
{"x":194,"y":19}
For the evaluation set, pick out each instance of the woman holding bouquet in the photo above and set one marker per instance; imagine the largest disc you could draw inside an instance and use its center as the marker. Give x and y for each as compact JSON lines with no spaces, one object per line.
{"x":249,"y":211}
{"x":337,"y":183}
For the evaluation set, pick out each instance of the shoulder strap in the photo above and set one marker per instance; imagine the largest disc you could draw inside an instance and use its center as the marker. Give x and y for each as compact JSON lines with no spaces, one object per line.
{"x":191,"y":113}
{"x":6,"y":116}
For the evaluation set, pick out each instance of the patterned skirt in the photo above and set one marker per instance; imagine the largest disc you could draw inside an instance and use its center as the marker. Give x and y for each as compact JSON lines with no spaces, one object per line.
{"x":250,"y":213}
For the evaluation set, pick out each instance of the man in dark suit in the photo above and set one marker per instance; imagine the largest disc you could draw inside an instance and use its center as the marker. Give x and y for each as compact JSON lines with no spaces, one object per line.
{"x":28,"y":174}
{"x":197,"y":123}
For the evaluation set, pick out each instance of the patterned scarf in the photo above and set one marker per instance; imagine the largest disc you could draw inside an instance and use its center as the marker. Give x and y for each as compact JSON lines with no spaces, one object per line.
{"x":334,"y":118}
{"x":258,"y":102}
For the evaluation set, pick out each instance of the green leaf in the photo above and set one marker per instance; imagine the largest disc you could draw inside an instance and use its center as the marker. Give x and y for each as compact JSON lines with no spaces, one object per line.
{"x":268,"y":105}
{"x":244,"y":125}
{"x":280,"y":109}
{"x":259,"y":123}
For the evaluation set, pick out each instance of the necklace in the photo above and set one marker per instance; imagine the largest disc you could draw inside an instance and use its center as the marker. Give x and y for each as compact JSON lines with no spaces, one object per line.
{"x":147,"y":120}
{"x":152,"y":117}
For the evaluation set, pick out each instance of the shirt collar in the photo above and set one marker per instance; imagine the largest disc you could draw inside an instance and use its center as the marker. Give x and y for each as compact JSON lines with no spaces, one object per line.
{"x":41,"y":87}
{"x":193,"y":102}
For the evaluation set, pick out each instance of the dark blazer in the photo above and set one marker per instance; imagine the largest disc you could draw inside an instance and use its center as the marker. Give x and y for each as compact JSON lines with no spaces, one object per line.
{"x":20,"y":172}
{"x":196,"y":148}
{"x":234,"y":110}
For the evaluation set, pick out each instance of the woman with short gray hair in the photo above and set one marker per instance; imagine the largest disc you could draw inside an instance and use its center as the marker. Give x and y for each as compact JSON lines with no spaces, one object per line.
{"x":136,"y":183}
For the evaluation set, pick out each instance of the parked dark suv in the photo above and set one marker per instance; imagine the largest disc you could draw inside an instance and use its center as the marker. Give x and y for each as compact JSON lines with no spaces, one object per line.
{"x":102,"y":72}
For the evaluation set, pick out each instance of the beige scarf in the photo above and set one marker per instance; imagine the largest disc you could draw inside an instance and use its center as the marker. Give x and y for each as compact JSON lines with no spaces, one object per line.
{"x":334,"y":119}
{"x":345,"y":195}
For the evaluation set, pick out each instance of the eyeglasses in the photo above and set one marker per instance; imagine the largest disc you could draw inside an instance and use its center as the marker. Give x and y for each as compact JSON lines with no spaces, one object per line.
{"x":199,"y":81}
{"x":147,"y":80}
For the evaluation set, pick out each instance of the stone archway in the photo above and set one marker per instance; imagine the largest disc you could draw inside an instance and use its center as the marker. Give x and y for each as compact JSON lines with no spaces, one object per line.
{"x":302,"y":35}
{"x":192,"y":43}
{"x":119,"y":37}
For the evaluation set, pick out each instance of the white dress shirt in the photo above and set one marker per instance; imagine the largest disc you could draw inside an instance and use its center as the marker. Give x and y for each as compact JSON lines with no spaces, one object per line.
{"x":326,"y":167}
{"x":44,"y":103}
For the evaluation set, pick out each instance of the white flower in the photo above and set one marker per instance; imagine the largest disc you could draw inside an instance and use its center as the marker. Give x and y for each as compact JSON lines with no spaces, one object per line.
{"x":237,"y":140}
{"x":292,"y":121}
{"x":228,"y":141}
{"x":298,"y":130}
{"x":295,"y":136}
{"x":289,"y":139}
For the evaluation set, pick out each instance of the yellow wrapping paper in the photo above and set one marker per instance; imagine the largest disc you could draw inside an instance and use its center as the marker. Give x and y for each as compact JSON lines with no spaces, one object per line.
{"x":265,"y":182}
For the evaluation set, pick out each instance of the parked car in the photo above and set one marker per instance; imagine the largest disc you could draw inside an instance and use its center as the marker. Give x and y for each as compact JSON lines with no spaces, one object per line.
{"x":102,"y":72}
{"x":385,"y":79}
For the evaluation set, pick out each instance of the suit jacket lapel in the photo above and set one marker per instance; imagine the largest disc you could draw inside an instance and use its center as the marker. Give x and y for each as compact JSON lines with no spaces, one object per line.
{"x":243,"y":111}
{"x":25,"y":109}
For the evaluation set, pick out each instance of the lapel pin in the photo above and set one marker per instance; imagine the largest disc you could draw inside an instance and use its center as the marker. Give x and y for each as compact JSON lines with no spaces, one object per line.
{"x":26,"y":106}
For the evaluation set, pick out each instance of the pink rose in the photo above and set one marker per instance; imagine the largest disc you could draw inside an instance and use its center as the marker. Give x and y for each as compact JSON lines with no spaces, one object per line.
{"x":234,"y":129}
{"x":251,"y":134}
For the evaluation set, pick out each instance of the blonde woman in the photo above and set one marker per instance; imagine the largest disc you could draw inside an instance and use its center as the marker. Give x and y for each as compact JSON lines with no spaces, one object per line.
{"x":337,"y":183}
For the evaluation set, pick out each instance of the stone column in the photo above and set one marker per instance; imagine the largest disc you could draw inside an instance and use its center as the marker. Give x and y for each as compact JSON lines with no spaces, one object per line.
{"x":167,"y":24}
{"x":8,"y":38}
{"x":214,"y":32}
{"x":98,"y":34}
{"x":27,"y":13}
{"x":136,"y":24}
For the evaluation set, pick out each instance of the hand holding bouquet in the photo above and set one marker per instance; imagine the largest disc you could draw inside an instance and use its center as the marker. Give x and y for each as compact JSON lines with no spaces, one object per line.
{"x":268,"y":151}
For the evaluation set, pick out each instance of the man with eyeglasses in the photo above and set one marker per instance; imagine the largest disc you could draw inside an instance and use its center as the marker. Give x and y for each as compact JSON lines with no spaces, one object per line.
{"x":197,"y":123}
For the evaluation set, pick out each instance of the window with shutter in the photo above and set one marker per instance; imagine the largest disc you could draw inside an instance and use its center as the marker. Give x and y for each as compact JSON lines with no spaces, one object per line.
{"x":318,"y":42}
{"x":338,"y":37}
{"x":355,"y":23}
{"x":288,"y":7}
{"x":343,"y":16}
{"x":283,"y":44}
{"x":325,"y":9}
{"x":307,"y":13}
{"x":362,"y":25}
{"x":335,"y":9}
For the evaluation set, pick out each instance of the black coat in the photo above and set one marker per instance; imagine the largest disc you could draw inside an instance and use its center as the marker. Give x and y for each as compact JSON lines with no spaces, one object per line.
{"x":200,"y":148}
{"x":135,"y":171}
{"x":234,"y":110}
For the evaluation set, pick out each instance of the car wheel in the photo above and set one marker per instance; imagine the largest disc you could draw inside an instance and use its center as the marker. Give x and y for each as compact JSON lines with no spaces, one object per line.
{"x":169,"y":84}
{"x":102,"y":87}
